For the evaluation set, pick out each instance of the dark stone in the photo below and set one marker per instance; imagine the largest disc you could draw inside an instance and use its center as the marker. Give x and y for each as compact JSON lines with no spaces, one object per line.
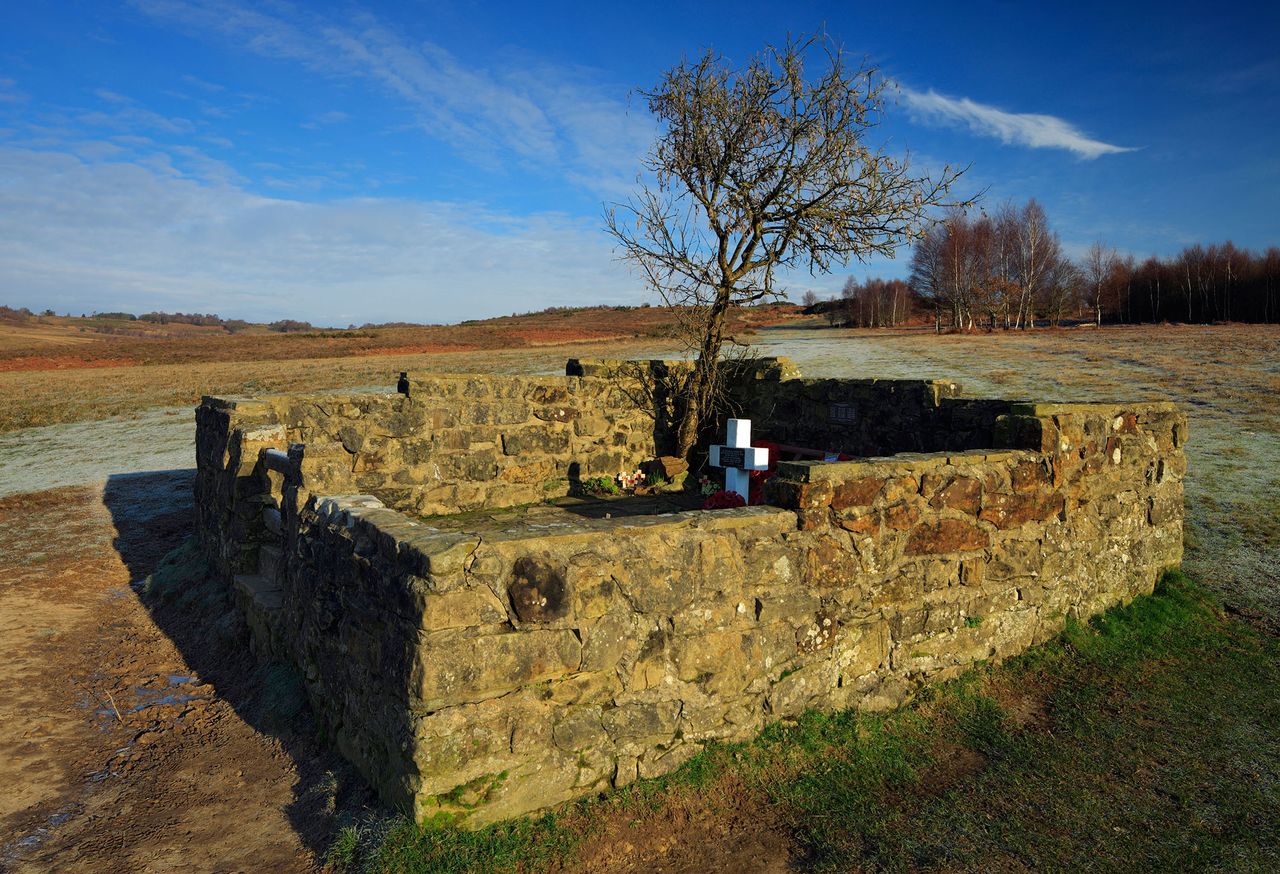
{"x":538,"y":591}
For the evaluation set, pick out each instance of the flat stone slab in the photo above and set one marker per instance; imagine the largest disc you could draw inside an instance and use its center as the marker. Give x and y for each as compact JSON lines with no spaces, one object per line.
{"x":571,"y":512}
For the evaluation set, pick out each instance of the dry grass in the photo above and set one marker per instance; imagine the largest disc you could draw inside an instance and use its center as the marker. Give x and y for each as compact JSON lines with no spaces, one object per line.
{"x":58,"y":370}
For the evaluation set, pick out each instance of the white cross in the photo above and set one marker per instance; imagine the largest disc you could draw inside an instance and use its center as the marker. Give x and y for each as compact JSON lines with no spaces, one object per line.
{"x":737,"y":456}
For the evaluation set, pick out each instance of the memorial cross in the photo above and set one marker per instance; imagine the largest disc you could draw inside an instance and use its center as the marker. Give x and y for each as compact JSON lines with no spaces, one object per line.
{"x":737,"y":456}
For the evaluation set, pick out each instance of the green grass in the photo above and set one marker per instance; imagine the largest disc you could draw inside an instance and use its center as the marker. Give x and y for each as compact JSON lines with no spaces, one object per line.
{"x":1147,"y":739}
{"x":180,"y":572}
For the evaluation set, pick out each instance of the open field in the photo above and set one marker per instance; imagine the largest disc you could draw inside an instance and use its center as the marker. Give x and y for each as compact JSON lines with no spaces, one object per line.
{"x":138,"y":737}
{"x":64,"y":372}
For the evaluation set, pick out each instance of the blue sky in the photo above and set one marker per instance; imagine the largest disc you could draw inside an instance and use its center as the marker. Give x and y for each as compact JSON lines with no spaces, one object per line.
{"x":434,"y":162}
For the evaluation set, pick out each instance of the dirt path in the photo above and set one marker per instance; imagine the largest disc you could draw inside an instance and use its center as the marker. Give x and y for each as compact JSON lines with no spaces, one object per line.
{"x":117,"y":752}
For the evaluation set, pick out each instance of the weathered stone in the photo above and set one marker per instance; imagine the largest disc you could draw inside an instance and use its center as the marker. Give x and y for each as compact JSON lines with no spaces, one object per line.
{"x":608,"y":639}
{"x":900,"y":517}
{"x":859,"y":492}
{"x":532,"y":441}
{"x":814,"y":495}
{"x":963,"y":493}
{"x":1164,"y":509}
{"x":642,"y":721}
{"x":1012,"y":511}
{"x":1031,"y":475}
{"x":452,"y":668}
{"x":461,"y":609}
{"x":944,"y":536}
{"x":867,"y":524}
{"x":829,"y":563}
{"x":817,"y":634}
{"x":579,"y":728}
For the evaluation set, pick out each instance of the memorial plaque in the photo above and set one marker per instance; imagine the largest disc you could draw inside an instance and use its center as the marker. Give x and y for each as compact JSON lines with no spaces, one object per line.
{"x":840,"y":413}
{"x":733,"y":457}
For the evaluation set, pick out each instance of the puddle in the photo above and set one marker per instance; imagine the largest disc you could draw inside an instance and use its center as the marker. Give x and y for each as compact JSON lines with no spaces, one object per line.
{"x":18,"y":847}
{"x":171,"y":694}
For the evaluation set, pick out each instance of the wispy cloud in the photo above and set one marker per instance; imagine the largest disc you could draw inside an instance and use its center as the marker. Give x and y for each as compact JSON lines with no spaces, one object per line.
{"x":140,"y":236}
{"x":1018,"y":128}
{"x":9,"y":92}
{"x":540,"y":117}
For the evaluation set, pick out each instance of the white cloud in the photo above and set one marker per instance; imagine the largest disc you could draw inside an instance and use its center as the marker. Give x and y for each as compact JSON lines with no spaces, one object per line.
{"x":126,"y":236}
{"x":549,"y":119}
{"x":1019,"y":128}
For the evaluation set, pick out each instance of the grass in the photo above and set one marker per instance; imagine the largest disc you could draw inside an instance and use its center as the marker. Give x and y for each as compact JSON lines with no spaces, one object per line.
{"x":1148,"y":739}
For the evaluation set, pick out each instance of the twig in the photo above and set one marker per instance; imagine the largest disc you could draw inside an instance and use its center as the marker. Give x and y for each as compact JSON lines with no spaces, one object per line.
{"x":114,"y":708}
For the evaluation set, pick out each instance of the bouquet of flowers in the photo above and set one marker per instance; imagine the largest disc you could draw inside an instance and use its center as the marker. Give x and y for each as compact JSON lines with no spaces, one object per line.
{"x":723,"y":500}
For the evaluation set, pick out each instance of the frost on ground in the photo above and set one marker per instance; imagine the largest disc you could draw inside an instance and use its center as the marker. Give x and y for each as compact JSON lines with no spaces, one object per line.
{"x":49,"y":457}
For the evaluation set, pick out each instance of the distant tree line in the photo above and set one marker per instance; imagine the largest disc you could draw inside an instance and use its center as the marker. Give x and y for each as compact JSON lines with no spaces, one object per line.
{"x":15,"y":314}
{"x":1215,"y":283}
{"x":875,"y":303}
{"x":1008,"y":270}
{"x":1005,"y":269}
{"x":207,"y":320}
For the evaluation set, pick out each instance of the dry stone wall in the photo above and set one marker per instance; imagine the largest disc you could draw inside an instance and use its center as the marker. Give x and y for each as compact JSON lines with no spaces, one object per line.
{"x":476,"y":673}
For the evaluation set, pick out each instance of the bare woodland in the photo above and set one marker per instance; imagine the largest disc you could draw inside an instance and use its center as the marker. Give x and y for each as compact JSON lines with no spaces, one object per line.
{"x":1008,"y":270}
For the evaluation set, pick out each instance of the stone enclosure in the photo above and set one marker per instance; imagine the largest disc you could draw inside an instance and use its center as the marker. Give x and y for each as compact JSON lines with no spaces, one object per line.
{"x":480,"y":649}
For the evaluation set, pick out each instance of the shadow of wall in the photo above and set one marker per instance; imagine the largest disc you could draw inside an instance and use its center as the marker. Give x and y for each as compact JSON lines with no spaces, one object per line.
{"x":153,"y":516}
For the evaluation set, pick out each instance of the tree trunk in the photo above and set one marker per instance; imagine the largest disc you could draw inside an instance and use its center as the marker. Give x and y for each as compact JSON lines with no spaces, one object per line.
{"x":700,"y":394}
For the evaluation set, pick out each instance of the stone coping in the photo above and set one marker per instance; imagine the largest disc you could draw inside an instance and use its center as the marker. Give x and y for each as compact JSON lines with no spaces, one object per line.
{"x":435,"y":550}
{"x":907,"y":462}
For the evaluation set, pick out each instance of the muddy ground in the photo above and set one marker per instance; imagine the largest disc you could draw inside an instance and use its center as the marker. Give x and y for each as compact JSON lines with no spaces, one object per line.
{"x":128,"y":736}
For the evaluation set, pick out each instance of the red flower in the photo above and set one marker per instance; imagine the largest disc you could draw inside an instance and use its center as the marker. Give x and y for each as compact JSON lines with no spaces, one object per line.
{"x":723,"y":500}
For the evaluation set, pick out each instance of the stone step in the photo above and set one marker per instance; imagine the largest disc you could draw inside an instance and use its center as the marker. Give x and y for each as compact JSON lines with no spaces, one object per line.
{"x":270,"y":559}
{"x":261,"y":601}
{"x":272,"y":520}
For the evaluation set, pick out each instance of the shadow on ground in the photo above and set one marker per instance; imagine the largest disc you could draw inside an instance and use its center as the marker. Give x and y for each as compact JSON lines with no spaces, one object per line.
{"x":153,"y":515}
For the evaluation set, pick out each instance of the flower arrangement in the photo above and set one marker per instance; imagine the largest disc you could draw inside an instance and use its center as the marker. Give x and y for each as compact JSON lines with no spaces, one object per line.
{"x":706,"y":486}
{"x":723,"y":500}
{"x":629,"y":479}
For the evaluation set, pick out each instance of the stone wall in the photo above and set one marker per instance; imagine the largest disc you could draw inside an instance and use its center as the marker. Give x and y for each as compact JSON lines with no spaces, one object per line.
{"x":481,"y":673}
{"x":870,"y":417}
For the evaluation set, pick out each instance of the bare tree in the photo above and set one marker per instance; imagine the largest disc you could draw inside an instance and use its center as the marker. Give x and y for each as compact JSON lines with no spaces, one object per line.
{"x":810,"y":298}
{"x":1099,"y":264}
{"x":1038,"y":255}
{"x":1059,"y":288}
{"x":929,"y":270}
{"x":756,"y":170}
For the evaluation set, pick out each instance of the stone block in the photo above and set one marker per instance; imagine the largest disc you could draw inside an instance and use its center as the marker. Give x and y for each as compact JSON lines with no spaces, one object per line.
{"x":454,"y":668}
{"x":944,"y":536}
{"x":1012,"y":511}
{"x":859,"y":492}
{"x":653,"y":722}
{"x":962,"y":493}
{"x":463,"y":608}
{"x":531,"y":442}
